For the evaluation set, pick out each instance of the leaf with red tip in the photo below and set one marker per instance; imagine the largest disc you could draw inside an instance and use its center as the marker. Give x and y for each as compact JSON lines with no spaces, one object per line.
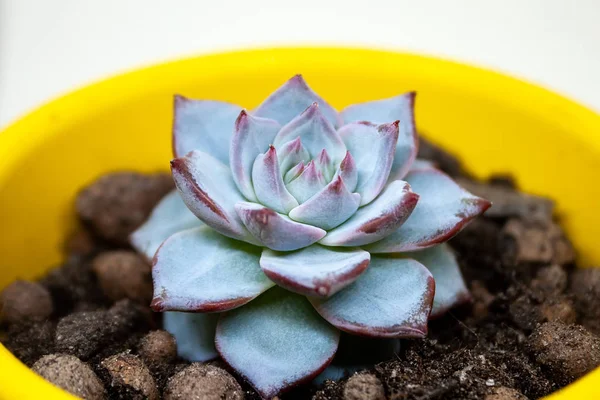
{"x":276,"y":342}
{"x":396,"y":108}
{"x":314,"y":270}
{"x":202,"y":271}
{"x":325,"y":165}
{"x":290,"y":154}
{"x":372,"y":147}
{"x":376,"y":220}
{"x":444,"y":208}
{"x":450,"y":288}
{"x":348,"y":171}
{"x":208,"y":190}
{"x":194,"y":334}
{"x":168,"y":217}
{"x":277,"y":231}
{"x":328,"y":208}
{"x":291,"y":99}
{"x":251,"y":137}
{"x":392,"y":298}
{"x":268,"y":183}
{"x":307,"y":184}
{"x":293,"y":173}
{"x":316,"y":133}
{"x":203,"y":125}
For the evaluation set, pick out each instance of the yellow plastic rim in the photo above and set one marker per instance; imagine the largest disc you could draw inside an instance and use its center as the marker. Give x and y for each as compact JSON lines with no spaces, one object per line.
{"x":495,"y":123}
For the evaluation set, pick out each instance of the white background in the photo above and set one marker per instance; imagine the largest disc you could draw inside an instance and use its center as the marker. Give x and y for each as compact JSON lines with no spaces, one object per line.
{"x":48,"y":47}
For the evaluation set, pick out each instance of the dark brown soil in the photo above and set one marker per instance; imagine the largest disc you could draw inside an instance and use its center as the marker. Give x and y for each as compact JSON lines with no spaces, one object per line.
{"x":530,"y":329}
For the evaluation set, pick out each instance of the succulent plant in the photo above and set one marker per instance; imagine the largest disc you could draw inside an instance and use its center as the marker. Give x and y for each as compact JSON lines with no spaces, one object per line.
{"x":313,"y":222}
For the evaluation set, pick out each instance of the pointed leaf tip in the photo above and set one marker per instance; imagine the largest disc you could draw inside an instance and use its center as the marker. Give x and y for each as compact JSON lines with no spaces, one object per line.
{"x":276,"y":342}
{"x":443,"y":210}
{"x":314,"y":270}
{"x":392,"y":298}
{"x":251,"y":137}
{"x":208,"y":190}
{"x":291,"y":99}
{"x":268,"y":183}
{"x":277,"y":231}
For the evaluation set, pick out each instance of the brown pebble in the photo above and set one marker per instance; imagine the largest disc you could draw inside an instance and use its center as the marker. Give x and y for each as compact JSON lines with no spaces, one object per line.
{"x":203,"y":382}
{"x":116,"y":204}
{"x":158,"y":347}
{"x":550,"y":280}
{"x":505,"y":393}
{"x":129,"y":377}
{"x":25,"y":301}
{"x":482,"y":299}
{"x":364,"y":386}
{"x":558,"y":310}
{"x":83,"y":333}
{"x":524,"y":312}
{"x":123,"y":274}
{"x":566,"y":352}
{"x":542,"y":243}
{"x":29,"y":341}
{"x":70,"y":374}
{"x":80,"y":243}
{"x":585,"y":288}
{"x":510,"y":203}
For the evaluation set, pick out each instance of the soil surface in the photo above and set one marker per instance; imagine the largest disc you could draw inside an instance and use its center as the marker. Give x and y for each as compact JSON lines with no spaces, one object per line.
{"x":530,"y":328}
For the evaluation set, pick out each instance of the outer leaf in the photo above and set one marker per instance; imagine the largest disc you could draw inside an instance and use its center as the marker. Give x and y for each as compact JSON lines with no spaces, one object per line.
{"x":328,"y":208}
{"x":316,"y":133}
{"x":208,"y":190}
{"x":251,"y":137}
{"x":276,"y":342}
{"x":376,"y":220}
{"x":203,"y":125}
{"x":168,"y":217}
{"x":444,"y":208}
{"x":194,"y":334}
{"x":450,"y":288}
{"x":348,"y":171}
{"x":372,"y":147}
{"x":268,"y":183}
{"x":200,"y":270}
{"x":307,"y":184}
{"x":291,"y":99}
{"x":400,"y":108}
{"x":392,"y":298}
{"x":292,"y":153}
{"x":314,"y":270}
{"x":277,"y":231}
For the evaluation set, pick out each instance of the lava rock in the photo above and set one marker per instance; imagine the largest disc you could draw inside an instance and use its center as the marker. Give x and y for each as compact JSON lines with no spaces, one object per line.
{"x":127,"y":317}
{"x":30,"y":340}
{"x":71,"y":284}
{"x":70,"y":374}
{"x":558,"y":309}
{"x":505,"y":393}
{"x":550,"y":280}
{"x":158,"y":347}
{"x":128,"y":378}
{"x":364,"y":386}
{"x":83,"y":333}
{"x":203,"y":382}
{"x":567,"y":352}
{"x":81,"y":243}
{"x":123,"y":274}
{"x":25,"y":301}
{"x":585,"y":288}
{"x":116,"y":204}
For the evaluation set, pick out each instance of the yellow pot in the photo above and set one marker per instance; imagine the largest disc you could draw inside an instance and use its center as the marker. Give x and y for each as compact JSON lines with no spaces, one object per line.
{"x":495,"y":123}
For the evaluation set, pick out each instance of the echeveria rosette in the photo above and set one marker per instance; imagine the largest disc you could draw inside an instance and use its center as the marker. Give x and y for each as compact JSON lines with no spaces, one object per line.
{"x":313,"y":221}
